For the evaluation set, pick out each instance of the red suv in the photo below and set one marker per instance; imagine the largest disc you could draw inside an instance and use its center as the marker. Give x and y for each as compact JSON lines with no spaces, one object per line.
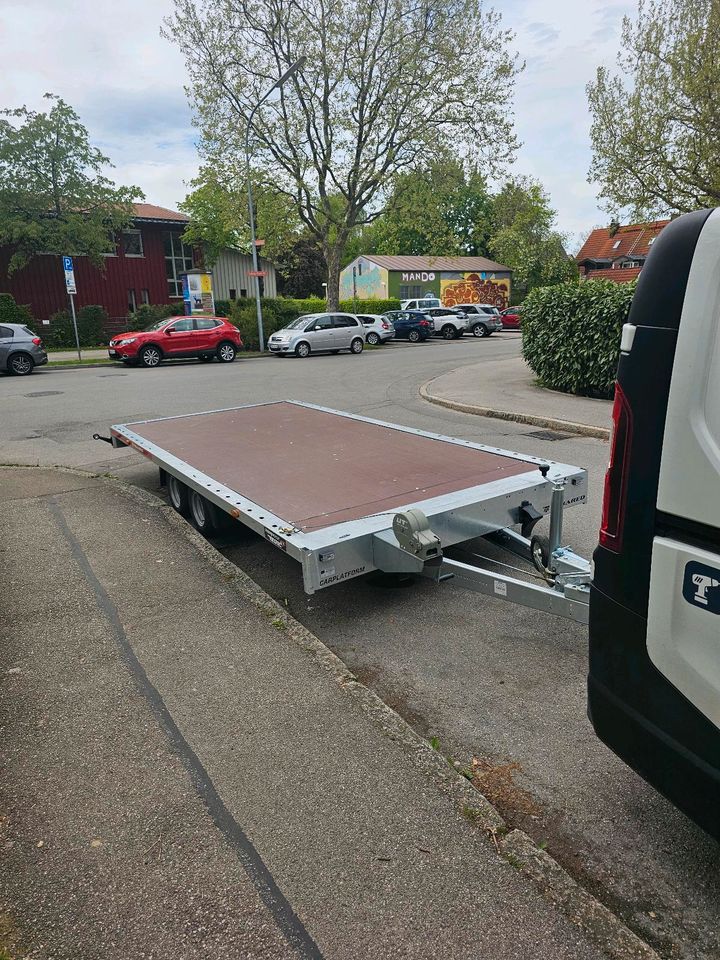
{"x":202,"y":337}
{"x":511,"y":318}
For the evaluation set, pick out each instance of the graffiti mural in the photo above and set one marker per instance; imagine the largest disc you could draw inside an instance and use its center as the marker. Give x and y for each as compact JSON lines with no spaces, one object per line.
{"x":364,"y":280}
{"x":472,"y":288}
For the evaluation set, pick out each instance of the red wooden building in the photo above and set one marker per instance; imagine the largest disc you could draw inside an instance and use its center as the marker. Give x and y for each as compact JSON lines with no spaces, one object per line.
{"x":145,"y":268}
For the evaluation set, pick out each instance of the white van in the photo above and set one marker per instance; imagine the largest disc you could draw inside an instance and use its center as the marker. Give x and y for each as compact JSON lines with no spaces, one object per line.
{"x":425,"y":303}
{"x":654,"y":677}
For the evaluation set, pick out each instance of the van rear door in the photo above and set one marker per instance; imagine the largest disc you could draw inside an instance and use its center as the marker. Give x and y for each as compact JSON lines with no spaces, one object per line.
{"x":654,"y":677}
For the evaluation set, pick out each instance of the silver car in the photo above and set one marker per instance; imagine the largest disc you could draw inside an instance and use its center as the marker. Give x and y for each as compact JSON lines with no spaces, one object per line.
{"x":21,"y":350}
{"x":378,"y":329}
{"x":319,"y":333}
{"x":482,"y":318}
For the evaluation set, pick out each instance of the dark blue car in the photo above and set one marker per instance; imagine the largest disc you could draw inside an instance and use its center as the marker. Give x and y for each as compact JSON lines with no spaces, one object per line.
{"x":410,"y":325}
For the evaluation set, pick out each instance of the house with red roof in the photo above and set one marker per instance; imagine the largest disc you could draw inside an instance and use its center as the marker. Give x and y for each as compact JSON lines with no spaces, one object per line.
{"x":146,"y":266}
{"x":618,"y":252}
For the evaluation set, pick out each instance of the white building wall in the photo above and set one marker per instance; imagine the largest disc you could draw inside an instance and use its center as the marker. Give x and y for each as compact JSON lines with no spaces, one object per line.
{"x":231,"y":272}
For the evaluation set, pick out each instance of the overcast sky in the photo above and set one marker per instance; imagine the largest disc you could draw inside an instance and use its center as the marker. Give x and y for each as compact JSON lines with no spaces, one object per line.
{"x":107,"y":59}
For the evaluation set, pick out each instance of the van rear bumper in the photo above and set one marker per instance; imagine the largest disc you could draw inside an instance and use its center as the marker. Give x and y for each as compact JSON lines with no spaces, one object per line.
{"x":645,"y":720}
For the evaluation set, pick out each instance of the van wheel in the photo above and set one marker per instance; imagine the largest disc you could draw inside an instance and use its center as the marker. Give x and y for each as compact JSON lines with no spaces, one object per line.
{"x":449,"y":332}
{"x":226,"y":352}
{"x":302,"y":350}
{"x":480,"y":330}
{"x":21,"y":364}
{"x":357,"y":345}
{"x":413,"y":336}
{"x":203,"y":514}
{"x":177,"y":494}
{"x":150,"y":356}
{"x":373,"y":339}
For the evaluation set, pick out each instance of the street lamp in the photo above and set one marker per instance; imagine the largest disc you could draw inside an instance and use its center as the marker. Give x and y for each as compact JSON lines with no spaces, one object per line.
{"x":278,"y":83}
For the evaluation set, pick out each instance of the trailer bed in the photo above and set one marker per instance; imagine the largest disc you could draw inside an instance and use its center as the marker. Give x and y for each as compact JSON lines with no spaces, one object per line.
{"x":322,"y":484}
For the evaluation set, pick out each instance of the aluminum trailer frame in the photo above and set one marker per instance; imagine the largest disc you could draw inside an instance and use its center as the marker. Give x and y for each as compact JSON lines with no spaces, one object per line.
{"x":339,"y":551}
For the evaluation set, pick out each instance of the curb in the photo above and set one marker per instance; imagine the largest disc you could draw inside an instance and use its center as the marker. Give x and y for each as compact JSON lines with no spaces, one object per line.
{"x":550,"y":423}
{"x":599,"y":924}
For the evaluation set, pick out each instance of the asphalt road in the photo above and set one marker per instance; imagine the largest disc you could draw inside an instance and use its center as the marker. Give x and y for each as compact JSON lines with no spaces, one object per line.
{"x":490,"y":681}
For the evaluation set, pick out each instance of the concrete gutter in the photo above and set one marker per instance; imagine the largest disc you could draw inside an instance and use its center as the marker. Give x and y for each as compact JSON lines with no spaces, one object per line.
{"x":550,"y":423}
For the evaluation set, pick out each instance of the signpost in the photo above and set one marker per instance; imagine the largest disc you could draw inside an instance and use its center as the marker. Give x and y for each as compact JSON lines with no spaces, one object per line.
{"x":72,"y":290}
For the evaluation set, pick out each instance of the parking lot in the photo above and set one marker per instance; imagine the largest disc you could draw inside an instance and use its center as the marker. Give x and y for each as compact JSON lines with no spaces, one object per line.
{"x":495,"y":684}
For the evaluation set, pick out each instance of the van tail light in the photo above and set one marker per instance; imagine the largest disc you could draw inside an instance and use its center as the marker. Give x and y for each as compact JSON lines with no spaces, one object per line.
{"x":37,"y":341}
{"x":616,"y":480}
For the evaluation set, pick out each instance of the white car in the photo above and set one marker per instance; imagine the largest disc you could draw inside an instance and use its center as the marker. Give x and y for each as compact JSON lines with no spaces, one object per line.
{"x":425,"y":303}
{"x":377,"y":329}
{"x":319,"y":333}
{"x":483,"y":319}
{"x":448,"y":322}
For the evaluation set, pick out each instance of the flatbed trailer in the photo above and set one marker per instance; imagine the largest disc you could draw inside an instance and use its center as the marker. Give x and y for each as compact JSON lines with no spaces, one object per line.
{"x":346,"y":495}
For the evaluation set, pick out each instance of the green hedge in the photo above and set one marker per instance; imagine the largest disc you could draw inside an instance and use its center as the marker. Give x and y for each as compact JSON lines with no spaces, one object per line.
{"x":91,"y":322}
{"x":571,"y":334}
{"x":12,"y":312}
{"x":278,"y":312}
{"x":148,"y":313}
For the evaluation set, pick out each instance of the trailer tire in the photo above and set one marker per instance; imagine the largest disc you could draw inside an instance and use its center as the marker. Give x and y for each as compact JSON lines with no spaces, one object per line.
{"x":357,"y":345}
{"x":540,"y":553}
{"x":302,"y":349}
{"x":177,"y":494}
{"x":203,"y":514}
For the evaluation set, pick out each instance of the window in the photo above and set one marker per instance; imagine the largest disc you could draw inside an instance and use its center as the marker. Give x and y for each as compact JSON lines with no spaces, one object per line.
{"x":132,"y":243}
{"x":409,"y":292}
{"x":243,"y":294}
{"x":233,"y":294}
{"x":340,"y":320}
{"x":360,"y":269}
{"x":323,"y":323}
{"x":616,"y":244}
{"x":651,"y":241}
{"x":205,"y":323}
{"x":6,"y":333}
{"x":178,"y":260}
{"x":132,"y":301}
{"x":145,"y":296}
{"x":183,"y":326}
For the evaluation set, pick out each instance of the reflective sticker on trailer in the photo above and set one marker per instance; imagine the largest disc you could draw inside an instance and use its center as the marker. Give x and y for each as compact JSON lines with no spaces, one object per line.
{"x":701,"y":586}
{"x":275,"y":540}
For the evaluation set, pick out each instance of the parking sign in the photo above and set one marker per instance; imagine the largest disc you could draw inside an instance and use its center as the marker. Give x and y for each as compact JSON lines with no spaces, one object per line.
{"x":69,"y":275}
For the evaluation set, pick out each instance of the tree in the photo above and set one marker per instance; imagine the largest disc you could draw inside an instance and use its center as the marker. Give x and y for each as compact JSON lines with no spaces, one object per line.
{"x":382,"y":82}
{"x":655,"y":124}
{"x":439,"y":210}
{"x":302,"y":269}
{"x":53,"y":196}
{"x":524,"y":238}
{"x":218,"y":210}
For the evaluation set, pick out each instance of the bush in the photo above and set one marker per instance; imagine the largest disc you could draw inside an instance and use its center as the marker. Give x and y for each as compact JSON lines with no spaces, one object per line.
{"x":369,"y":306}
{"x":277,"y":313}
{"x":91,"y":322}
{"x":571,"y":334}
{"x":148,"y":313}
{"x":11,"y":312}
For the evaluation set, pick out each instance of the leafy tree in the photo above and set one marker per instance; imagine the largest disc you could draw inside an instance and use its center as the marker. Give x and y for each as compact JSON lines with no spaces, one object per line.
{"x":382,"y":82}
{"x":655,"y":122}
{"x":53,"y":196}
{"x":524,"y":239}
{"x":437,"y":210}
{"x":302,"y":269}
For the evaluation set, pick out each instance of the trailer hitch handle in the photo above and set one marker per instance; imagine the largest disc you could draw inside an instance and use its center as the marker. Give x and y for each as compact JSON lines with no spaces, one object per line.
{"x":97,"y":436}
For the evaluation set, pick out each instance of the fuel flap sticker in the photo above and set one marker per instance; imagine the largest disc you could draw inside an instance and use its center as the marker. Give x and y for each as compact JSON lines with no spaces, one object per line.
{"x":701,"y":586}
{"x":275,"y":540}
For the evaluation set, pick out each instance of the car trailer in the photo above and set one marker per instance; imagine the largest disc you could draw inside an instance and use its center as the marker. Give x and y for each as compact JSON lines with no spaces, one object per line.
{"x":346,"y":495}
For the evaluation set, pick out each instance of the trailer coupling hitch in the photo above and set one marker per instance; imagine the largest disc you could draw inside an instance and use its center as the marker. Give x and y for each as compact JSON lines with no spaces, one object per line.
{"x":97,"y":436}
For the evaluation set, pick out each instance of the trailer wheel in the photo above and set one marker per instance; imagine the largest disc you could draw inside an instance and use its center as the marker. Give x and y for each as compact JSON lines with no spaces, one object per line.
{"x":302,"y":350}
{"x":203,"y":514}
{"x":177,"y":494}
{"x":357,"y":346}
{"x":540,"y":553}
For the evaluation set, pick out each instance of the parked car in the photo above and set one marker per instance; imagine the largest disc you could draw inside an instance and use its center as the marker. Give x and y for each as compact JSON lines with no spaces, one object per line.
{"x":511,"y":318}
{"x":378,"y":329}
{"x":447,"y":322}
{"x":412,"y":325}
{"x":21,"y":350}
{"x":483,"y":318}
{"x":424,"y":303}
{"x":203,"y":337}
{"x":319,"y":333}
